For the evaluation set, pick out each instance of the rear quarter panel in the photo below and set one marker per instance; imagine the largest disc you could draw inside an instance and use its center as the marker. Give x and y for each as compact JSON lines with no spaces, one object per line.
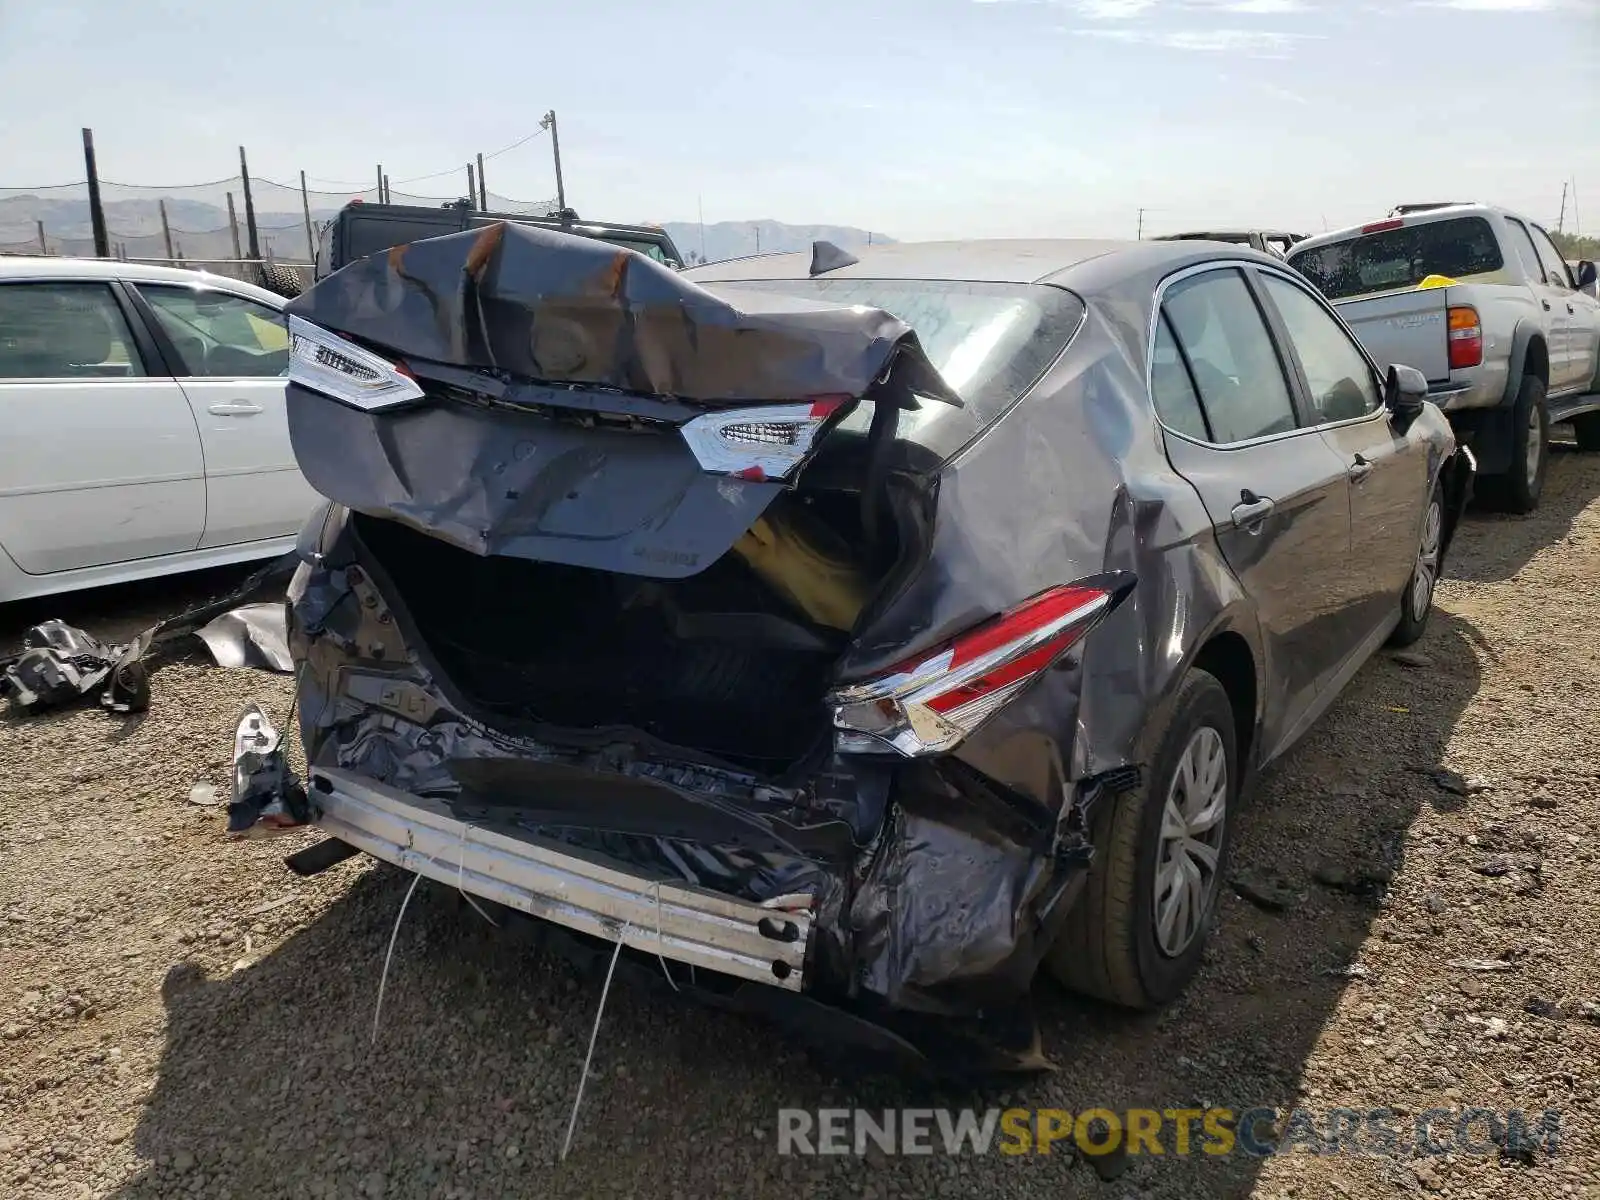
{"x":1073,"y":482}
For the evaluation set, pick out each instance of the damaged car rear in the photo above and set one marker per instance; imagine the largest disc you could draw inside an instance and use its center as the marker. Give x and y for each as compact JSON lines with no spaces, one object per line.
{"x":838,"y":633}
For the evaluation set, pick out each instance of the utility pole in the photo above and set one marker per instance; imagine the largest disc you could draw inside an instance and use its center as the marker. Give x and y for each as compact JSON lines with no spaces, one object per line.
{"x":483,"y":187}
{"x":549,"y":122}
{"x":97,"y":214}
{"x":757,"y":228}
{"x":166,"y":229}
{"x":1140,"y":234}
{"x":305,"y":205}
{"x":1562,"y":219}
{"x":472,"y":187}
{"x":250,"y":230}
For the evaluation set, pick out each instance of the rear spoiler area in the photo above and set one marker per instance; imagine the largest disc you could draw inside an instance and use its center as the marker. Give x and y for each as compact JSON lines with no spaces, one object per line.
{"x":548,"y":307}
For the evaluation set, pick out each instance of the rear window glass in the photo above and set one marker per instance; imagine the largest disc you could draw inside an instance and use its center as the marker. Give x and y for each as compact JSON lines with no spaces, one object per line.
{"x":990,"y":341}
{"x":1401,"y":258}
{"x":364,"y":236}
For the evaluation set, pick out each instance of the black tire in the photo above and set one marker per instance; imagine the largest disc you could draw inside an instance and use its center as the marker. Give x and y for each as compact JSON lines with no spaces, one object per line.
{"x":1587,"y":430}
{"x":1412,"y":626}
{"x":282,"y":279}
{"x":1515,"y":491}
{"x":1109,"y":948}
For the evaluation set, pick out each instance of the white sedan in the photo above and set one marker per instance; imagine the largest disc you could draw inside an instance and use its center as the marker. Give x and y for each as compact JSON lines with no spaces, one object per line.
{"x":142,"y":427}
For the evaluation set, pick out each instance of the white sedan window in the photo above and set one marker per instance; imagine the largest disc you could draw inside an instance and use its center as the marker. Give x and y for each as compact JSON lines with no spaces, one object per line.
{"x":64,"y":331}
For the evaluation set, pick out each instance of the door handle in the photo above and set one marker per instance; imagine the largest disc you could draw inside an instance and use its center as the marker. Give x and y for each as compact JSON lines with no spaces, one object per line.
{"x":1252,"y":511}
{"x":1546,"y":304}
{"x":1359,"y":469}
{"x":1569,"y":309}
{"x":234,"y":408}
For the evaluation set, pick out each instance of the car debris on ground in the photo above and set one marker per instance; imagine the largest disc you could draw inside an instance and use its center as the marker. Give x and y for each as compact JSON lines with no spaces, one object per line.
{"x":60,"y":665}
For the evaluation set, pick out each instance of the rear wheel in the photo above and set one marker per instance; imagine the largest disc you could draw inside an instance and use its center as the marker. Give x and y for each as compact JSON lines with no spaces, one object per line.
{"x":1139,"y":930}
{"x":1416,"y":602}
{"x":1517,"y":491}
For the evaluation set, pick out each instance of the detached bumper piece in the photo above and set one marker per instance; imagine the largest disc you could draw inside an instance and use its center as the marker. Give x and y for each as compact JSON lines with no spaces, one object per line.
{"x":267,"y":797}
{"x":764,"y":943}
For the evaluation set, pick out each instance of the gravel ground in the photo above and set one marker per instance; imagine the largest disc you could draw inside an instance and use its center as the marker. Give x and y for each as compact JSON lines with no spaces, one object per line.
{"x":182,"y":1016}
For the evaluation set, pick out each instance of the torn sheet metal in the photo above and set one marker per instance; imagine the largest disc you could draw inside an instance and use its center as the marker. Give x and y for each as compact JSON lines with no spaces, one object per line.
{"x":555,"y":308}
{"x":255,"y":635}
{"x":268,"y":798}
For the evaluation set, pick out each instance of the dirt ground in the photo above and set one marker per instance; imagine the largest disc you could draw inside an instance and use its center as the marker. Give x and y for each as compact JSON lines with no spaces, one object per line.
{"x":180,"y":1016}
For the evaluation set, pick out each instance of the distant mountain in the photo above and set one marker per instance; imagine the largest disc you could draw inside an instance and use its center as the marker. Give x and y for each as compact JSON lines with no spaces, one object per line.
{"x":737,"y":239}
{"x":200,"y":229}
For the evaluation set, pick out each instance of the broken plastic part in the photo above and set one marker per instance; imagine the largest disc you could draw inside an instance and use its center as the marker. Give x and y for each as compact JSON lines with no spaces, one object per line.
{"x":267,"y":797}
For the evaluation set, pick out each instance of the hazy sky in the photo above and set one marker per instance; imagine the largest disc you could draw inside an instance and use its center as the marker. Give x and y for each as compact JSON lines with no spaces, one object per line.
{"x":921,"y":118}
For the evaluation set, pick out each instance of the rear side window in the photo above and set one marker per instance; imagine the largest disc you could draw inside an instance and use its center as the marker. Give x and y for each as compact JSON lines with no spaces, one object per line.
{"x":365,"y":236}
{"x":64,"y":331}
{"x":1231,"y":358}
{"x":1177,"y":403}
{"x":1394,"y":259}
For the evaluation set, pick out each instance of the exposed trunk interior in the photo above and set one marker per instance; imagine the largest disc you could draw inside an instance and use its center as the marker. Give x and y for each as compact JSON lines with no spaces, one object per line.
{"x":732,"y":662}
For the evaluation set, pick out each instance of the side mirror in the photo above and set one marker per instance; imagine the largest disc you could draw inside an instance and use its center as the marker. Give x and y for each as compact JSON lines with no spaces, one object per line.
{"x":1404,"y":391}
{"x":1586,"y":277}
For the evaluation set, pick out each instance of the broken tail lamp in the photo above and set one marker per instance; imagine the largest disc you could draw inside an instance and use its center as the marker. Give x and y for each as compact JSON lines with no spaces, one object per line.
{"x":764,"y":442}
{"x":931,"y":705}
{"x":332,"y":366}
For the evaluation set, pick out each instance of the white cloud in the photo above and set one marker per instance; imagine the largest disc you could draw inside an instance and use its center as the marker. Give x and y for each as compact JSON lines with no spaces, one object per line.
{"x":1126,"y":10}
{"x":1497,"y":5}
{"x":1256,"y":43}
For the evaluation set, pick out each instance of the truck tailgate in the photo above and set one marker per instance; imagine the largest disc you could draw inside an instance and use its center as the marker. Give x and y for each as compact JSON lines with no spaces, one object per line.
{"x":1408,"y":327}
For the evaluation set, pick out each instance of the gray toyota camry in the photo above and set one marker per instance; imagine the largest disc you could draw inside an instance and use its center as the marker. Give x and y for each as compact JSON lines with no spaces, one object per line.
{"x":849,"y":633}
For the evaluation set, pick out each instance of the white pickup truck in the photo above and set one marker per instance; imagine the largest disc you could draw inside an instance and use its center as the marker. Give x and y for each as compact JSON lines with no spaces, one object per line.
{"x":1481,"y":302}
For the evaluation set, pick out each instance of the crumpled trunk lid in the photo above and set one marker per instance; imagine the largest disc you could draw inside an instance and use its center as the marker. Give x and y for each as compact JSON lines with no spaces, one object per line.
{"x":584,"y":405}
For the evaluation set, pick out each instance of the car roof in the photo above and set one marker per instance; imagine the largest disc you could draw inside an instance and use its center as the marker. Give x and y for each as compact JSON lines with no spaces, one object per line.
{"x":1081,"y":264}
{"x":54,"y":267}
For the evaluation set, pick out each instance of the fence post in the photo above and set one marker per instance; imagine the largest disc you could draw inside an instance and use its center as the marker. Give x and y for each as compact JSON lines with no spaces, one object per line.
{"x":483,"y":188}
{"x":233,"y":224}
{"x":44,"y":246}
{"x":166,"y":229}
{"x":97,"y":214}
{"x":305,"y":203}
{"x":386,"y":197}
{"x":381,"y":196}
{"x":249,"y":208}
{"x":472,"y":188}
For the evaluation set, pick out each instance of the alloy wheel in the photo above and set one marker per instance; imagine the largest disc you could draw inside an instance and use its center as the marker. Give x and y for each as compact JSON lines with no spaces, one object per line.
{"x":1426,"y":573}
{"x":1535,"y":452}
{"x":1192,"y":822}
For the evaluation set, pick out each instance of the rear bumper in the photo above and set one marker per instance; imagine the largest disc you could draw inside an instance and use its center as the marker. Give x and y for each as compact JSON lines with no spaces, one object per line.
{"x":764,"y":943}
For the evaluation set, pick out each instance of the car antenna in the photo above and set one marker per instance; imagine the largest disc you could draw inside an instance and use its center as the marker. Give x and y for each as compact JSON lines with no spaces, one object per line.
{"x":825,"y":256}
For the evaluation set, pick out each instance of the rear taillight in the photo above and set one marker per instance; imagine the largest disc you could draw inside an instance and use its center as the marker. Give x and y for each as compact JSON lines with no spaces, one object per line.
{"x":324,"y":362}
{"x":767,"y":442}
{"x":1466,"y":337}
{"x":930,"y":705}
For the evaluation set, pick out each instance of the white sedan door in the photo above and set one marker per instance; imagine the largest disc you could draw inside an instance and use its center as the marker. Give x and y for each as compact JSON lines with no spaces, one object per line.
{"x":230,"y":354}
{"x":100,"y":459}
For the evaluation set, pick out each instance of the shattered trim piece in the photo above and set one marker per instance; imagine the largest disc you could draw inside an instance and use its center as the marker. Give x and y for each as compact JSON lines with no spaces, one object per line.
{"x":765,"y":943}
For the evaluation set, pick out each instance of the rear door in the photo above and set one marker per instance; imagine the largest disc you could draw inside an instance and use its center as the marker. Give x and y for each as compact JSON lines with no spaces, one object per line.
{"x":100,"y":458}
{"x":1275,"y":491}
{"x":231,"y":354}
{"x":1387,"y":469}
{"x":1549,"y":287}
{"x":1575,"y":311}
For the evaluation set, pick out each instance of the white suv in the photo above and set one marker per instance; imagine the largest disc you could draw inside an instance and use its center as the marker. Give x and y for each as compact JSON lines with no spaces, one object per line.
{"x":142,"y":426}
